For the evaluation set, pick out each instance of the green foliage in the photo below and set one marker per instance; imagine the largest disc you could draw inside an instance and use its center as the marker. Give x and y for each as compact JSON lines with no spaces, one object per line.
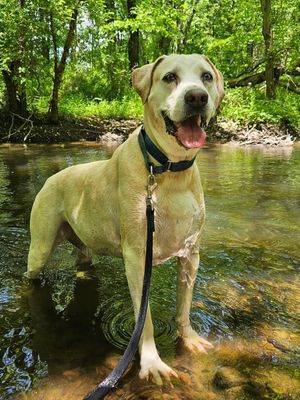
{"x":249,"y":105}
{"x":243,"y":105}
{"x":78,"y":106}
{"x":98,"y":66}
{"x":126,"y":107}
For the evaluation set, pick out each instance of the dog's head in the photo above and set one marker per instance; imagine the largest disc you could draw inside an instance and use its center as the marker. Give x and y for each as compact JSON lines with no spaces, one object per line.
{"x":181,"y":93}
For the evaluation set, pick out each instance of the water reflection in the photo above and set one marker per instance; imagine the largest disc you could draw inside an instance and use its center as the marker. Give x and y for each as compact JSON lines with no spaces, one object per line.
{"x":246,"y":296}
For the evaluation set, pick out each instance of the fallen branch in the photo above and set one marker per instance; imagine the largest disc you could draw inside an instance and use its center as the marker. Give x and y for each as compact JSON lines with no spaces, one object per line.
{"x":254,"y":79}
{"x":293,"y":72}
{"x":290,"y":86}
{"x":26,"y":136}
{"x":256,"y":65}
{"x":263,"y":134}
{"x":11,"y":126}
{"x":259,"y":77}
{"x":10,"y":133}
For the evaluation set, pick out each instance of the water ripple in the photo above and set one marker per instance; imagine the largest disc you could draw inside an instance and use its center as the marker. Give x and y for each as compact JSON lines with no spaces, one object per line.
{"x":118,"y":324}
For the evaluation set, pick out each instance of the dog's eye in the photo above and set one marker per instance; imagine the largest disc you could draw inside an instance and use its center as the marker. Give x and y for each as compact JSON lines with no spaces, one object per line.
{"x":170,"y":77}
{"x":207,"y":77}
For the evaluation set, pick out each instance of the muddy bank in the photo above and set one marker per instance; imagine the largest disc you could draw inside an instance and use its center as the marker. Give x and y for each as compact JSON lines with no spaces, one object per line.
{"x":34,"y":130}
{"x":66,"y":130}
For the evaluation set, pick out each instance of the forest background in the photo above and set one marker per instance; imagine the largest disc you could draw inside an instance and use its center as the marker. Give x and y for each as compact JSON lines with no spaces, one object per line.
{"x":64,"y":59}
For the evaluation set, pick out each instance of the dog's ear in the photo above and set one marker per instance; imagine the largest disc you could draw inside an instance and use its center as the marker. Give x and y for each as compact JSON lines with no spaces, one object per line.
{"x":219,"y":81}
{"x":142,"y":78}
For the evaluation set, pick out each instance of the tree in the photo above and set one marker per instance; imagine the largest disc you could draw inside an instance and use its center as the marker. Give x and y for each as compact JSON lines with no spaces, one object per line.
{"x":52,"y":49}
{"x":133,"y":39}
{"x":60,"y":63}
{"x":269,"y":57}
{"x":13,"y":69}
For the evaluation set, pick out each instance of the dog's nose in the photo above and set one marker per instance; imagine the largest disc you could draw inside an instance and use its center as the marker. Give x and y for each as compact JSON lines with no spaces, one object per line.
{"x":196,"y":98}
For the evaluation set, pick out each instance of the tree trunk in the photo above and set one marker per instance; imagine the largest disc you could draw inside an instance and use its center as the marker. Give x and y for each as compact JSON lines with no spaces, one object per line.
{"x":268,"y":39}
{"x":60,"y":65}
{"x":53,"y":106}
{"x":163,"y":46}
{"x":11,"y":91}
{"x":16,"y":89}
{"x":15,"y":93}
{"x":134,"y":38}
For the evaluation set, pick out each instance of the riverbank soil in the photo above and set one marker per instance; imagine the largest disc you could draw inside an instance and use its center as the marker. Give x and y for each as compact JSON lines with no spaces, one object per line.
{"x":34,"y":130}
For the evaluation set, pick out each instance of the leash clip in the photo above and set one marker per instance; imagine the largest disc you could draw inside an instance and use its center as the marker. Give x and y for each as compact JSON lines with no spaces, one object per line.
{"x":151,"y":185}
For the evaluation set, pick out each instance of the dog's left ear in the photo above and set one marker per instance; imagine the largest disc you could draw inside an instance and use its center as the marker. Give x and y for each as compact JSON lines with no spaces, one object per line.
{"x":142,"y":78}
{"x":219,"y":82}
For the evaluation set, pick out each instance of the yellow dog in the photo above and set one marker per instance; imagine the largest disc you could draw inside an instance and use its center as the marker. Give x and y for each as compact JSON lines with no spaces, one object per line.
{"x":100,"y":206}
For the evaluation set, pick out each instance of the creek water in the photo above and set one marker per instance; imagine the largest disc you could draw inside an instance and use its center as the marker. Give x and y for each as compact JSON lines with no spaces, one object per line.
{"x":59,"y":338}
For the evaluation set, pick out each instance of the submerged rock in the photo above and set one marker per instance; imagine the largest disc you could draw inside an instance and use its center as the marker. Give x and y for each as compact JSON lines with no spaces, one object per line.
{"x":227,"y":377}
{"x":111,"y":361}
{"x":285,"y":340}
{"x":72,"y":373}
{"x":234,"y":393}
{"x":274,"y":385}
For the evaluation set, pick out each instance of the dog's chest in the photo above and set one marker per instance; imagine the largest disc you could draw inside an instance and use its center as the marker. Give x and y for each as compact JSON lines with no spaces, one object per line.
{"x":178,"y":221}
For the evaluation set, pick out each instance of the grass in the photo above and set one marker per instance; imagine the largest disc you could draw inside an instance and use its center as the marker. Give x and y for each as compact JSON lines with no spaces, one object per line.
{"x":78,"y":106}
{"x":243,"y":105}
{"x":249,"y":105}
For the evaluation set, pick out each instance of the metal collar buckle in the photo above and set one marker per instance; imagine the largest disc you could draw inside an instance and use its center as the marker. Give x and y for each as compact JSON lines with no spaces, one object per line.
{"x":151,"y":185}
{"x":169,"y":163}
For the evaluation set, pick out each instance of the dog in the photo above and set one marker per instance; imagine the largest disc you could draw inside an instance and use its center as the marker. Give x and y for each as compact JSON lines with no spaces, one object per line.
{"x":100,"y":206}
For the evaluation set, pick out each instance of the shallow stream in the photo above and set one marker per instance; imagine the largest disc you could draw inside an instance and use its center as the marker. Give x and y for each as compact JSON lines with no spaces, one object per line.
{"x":59,"y":339}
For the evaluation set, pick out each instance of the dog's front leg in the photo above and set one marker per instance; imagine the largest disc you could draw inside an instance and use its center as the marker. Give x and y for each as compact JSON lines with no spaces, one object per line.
{"x":186,"y":275}
{"x":151,"y":364}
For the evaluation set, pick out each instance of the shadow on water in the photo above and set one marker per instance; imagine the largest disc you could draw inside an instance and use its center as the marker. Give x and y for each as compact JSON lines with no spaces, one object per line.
{"x":75,"y":338}
{"x":59,"y":338}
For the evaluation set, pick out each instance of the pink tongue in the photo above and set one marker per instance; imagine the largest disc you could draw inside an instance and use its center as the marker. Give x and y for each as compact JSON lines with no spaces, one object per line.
{"x":190,"y":134}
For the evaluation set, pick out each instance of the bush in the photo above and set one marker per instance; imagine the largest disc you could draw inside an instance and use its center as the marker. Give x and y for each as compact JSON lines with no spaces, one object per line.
{"x":249,"y":105}
{"x":78,"y":106}
{"x":243,"y":105}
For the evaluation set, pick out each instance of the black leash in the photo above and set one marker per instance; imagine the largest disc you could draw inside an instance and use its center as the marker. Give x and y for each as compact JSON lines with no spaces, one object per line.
{"x":111,"y":381}
{"x":147,"y":146}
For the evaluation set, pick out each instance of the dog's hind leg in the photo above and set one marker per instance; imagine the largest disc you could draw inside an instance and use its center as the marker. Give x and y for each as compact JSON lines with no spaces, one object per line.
{"x":84,"y":259}
{"x":45,"y":222}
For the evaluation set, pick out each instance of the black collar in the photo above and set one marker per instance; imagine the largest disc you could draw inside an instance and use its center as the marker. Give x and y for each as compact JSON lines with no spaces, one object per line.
{"x":147,"y":146}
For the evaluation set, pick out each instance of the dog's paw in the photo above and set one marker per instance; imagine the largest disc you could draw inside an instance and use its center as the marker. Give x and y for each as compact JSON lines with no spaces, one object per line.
{"x":155,"y":369}
{"x":195,"y":343}
{"x":32,"y":275}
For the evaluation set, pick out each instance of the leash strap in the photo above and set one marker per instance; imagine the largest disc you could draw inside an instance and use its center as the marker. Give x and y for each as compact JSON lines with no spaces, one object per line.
{"x":148,"y":147}
{"x":111,"y":381}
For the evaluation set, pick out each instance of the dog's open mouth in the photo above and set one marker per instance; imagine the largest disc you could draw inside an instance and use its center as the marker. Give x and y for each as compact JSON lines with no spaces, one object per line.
{"x":189,"y":132}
